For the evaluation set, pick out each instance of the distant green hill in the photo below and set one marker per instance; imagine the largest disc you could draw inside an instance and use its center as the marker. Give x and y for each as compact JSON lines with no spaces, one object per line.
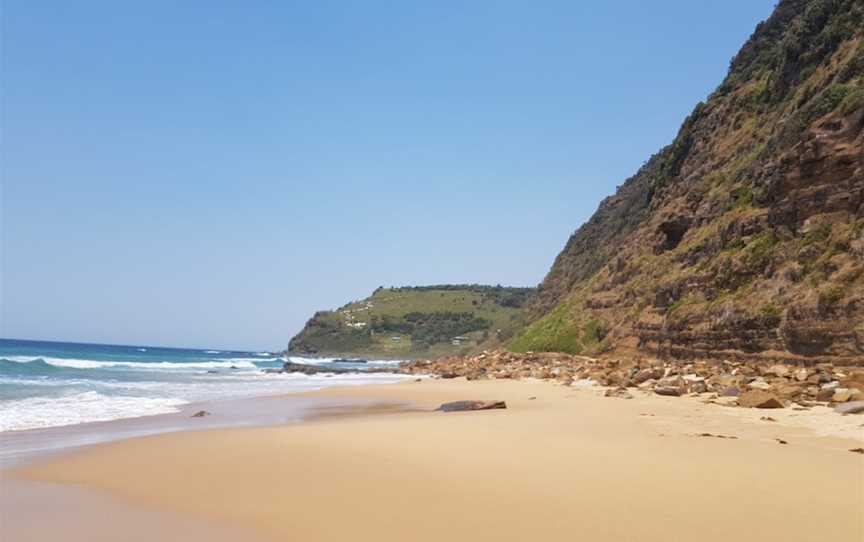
{"x":412,"y":322}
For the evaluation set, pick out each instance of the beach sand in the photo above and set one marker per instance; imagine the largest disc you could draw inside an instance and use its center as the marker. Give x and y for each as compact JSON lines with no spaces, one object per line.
{"x":558,"y":464}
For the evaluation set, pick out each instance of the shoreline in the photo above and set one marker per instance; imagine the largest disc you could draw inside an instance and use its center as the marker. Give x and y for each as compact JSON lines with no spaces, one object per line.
{"x":569,"y":460}
{"x":25,"y":446}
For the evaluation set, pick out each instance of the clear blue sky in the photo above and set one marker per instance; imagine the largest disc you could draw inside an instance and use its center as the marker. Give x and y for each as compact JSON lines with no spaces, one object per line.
{"x":210,"y":173}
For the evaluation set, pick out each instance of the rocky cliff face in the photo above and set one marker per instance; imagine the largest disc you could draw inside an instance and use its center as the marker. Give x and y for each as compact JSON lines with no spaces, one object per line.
{"x":744,"y":238}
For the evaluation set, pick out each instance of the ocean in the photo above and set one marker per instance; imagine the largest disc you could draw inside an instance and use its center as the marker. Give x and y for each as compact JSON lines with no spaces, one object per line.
{"x":52,"y":384}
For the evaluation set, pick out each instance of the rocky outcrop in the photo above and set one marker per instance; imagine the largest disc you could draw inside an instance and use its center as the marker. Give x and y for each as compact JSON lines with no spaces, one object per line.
{"x":744,"y":238}
{"x":306,"y":369}
{"x":745,"y":383}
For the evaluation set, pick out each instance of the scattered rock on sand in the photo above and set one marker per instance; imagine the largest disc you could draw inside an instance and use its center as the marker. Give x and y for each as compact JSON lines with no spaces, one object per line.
{"x":767,"y":419}
{"x":716,"y":436}
{"x":200,"y":414}
{"x":670,"y":391}
{"x":731,"y":391}
{"x":759,"y":384}
{"x":759,"y":399}
{"x":620,"y":393}
{"x":457,"y":406}
{"x":781,"y":441}
{"x":825,"y":394}
{"x":857,"y":450}
{"x":852,"y":407}
{"x":841,"y":395}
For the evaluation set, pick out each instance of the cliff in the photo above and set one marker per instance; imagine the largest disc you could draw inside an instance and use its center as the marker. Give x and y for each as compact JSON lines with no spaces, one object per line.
{"x":744,"y":238}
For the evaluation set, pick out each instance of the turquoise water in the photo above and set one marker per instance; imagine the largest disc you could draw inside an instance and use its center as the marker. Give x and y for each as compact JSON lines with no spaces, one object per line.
{"x":49,"y":384}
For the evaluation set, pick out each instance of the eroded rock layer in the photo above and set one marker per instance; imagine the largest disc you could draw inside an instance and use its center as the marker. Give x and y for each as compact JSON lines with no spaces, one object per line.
{"x":744,"y":238}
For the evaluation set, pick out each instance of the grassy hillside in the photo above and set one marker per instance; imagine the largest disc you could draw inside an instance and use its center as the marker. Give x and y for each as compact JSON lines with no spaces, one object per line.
{"x":745,"y":236}
{"x":412,"y":322}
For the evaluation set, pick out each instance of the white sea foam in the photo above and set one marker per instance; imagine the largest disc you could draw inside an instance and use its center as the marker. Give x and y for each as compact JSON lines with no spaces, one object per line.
{"x":111,"y":400}
{"x":325,"y":361}
{"x":240,"y":363}
{"x":83,"y":407}
{"x":212,"y":351}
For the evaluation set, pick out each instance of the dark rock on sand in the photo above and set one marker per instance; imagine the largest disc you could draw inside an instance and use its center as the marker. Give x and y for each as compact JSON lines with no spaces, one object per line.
{"x":200,"y":414}
{"x":759,"y":399}
{"x":671,"y":391}
{"x":291,"y":367}
{"x":712,"y":435}
{"x":731,"y":392}
{"x":620,"y":393}
{"x":457,"y":406}
{"x":348,"y":360}
{"x":852,"y":407}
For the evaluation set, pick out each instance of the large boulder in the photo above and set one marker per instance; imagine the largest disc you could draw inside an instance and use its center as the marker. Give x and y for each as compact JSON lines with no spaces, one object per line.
{"x":759,"y":399}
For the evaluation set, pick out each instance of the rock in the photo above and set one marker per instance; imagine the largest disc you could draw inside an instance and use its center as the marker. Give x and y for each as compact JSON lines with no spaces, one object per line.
{"x":620,"y":393}
{"x":778,"y":371}
{"x":841,"y":395}
{"x":759,"y":384}
{"x":767,"y":419}
{"x":671,"y":391}
{"x":291,"y":367}
{"x":348,"y":360}
{"x":759,"y":399}
{"x":781,"y":441}
{"x":857,"y":450}
{"x":731,"y":392}
{"x":200,"y":414}
{"x":825,"y":395}
{"x":852,"y":407}
{"x":801,"y":375}
{"x":457,"y":406}
{"x":698,"y":386}
{"x":648,"y":374}
{"x":789,"y":391}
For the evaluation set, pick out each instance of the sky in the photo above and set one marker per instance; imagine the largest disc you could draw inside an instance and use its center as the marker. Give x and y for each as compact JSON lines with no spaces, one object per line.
{"x":209,"y":173}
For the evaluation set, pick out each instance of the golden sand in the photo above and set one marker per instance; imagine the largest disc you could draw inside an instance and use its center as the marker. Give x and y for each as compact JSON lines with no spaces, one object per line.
{"x":558,"y":464}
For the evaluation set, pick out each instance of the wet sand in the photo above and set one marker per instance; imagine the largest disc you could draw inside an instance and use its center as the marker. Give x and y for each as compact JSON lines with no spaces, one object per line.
{"x":558,"y":464}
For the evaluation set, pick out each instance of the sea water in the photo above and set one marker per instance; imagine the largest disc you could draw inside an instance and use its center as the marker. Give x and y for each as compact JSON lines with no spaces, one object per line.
{"x":51,"y":384}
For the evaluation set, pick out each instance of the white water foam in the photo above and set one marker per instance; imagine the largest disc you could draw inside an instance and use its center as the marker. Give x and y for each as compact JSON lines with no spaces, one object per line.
{"x":90,"y":406}
{"x":111,"y":400}
{"x":240,"y":363}
{"x":326,"y":361}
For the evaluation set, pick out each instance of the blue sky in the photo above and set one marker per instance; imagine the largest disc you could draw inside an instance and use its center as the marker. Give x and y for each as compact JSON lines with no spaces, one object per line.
{"x":210,"y":173}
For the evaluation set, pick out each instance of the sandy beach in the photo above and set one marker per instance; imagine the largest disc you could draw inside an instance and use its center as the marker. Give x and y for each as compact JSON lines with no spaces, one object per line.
{"x":558,"y":464}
